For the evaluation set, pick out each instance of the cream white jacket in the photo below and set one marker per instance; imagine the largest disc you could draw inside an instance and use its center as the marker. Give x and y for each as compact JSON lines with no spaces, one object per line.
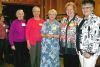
{"x":90,"y":36}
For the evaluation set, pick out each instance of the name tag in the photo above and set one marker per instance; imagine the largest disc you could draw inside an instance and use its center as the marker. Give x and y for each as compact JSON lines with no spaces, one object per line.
{"x":40,"y":24}
{"x":23,"y":24}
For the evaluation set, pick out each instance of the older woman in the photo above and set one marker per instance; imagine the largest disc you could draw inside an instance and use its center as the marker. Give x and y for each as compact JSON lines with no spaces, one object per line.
{"x":3,"y":36}
{"x":17,"y":39}
{"x":89,"y":39}
{"x":33,"y":36}
{"x":68,"y":35}
{"x":50,"y":41}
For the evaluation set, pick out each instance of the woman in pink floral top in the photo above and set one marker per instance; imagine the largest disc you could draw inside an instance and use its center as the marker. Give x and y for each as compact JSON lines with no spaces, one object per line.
{"x":68,"y":35}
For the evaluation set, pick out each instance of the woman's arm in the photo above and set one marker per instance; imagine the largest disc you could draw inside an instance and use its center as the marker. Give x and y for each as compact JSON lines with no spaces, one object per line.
{"x":50,"y":36}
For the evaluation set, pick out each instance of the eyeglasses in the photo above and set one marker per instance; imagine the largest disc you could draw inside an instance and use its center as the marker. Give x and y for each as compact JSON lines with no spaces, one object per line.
{"x":52,"y":14}
{"x":36,"y":11}
{"x":86,"y":7}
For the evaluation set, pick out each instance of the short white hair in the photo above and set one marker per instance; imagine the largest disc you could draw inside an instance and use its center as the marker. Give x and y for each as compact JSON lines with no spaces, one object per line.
{"x":35,"y":8}
{"x":52,"y":11}
{"x":19,"y":10}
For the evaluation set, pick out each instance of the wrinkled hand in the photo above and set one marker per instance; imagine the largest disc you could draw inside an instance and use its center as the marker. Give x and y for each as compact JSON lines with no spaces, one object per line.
{"x":50,"y":35}
{"x":87,"y":55}
{"x":28,"y":45}
{"x":13,"y":47}
{"x":62,"y":37}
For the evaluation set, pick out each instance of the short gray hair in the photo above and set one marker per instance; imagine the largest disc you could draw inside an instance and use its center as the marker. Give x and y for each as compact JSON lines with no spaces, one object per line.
{"x":35,"y":8}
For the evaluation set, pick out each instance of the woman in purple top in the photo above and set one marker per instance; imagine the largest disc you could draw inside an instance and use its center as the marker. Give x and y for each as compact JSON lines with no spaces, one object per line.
{"x":18,"y":41}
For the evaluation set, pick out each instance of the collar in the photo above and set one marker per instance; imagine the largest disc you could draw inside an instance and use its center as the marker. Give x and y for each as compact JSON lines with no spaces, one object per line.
{"x":48,"y":20}
{"x":90,"y":16}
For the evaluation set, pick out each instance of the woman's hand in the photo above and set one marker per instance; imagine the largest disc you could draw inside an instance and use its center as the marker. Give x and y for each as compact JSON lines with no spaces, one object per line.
{"x":50,"y":35}
{"x":87,"y":55}
{"x":13,"y":47}
{"x":28,"y":45}
{"x":62,"y":37}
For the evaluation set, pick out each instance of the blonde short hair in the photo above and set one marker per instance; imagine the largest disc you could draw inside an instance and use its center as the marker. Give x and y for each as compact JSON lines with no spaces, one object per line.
{"x":71,"y":4}
{"x":35,"y":8}
{"x":52,"y":11}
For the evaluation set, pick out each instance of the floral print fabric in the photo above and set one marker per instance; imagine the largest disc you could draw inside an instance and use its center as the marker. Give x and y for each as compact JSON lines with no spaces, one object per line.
{"x":50,"y":46}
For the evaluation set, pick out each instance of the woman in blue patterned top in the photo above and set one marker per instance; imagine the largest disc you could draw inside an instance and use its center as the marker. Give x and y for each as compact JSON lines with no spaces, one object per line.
{"x":50,"y":41}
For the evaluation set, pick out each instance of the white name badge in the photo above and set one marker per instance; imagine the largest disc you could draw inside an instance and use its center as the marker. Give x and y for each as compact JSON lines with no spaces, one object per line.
{"x":23,"y":24}
{"x":40,"y":24}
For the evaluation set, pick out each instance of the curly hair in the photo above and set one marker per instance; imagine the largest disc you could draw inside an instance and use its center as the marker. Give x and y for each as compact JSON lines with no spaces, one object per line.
{"x":71,"y":4}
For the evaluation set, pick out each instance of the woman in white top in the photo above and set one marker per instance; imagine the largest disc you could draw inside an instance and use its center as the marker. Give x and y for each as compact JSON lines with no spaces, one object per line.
{"x":89,"y":36}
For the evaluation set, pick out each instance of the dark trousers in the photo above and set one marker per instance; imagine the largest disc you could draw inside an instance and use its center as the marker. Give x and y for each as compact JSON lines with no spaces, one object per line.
{"x":3,"y":50}
{"x":71,"y":60}
{"x":35,"y":54}
{"x":21,"y":55}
